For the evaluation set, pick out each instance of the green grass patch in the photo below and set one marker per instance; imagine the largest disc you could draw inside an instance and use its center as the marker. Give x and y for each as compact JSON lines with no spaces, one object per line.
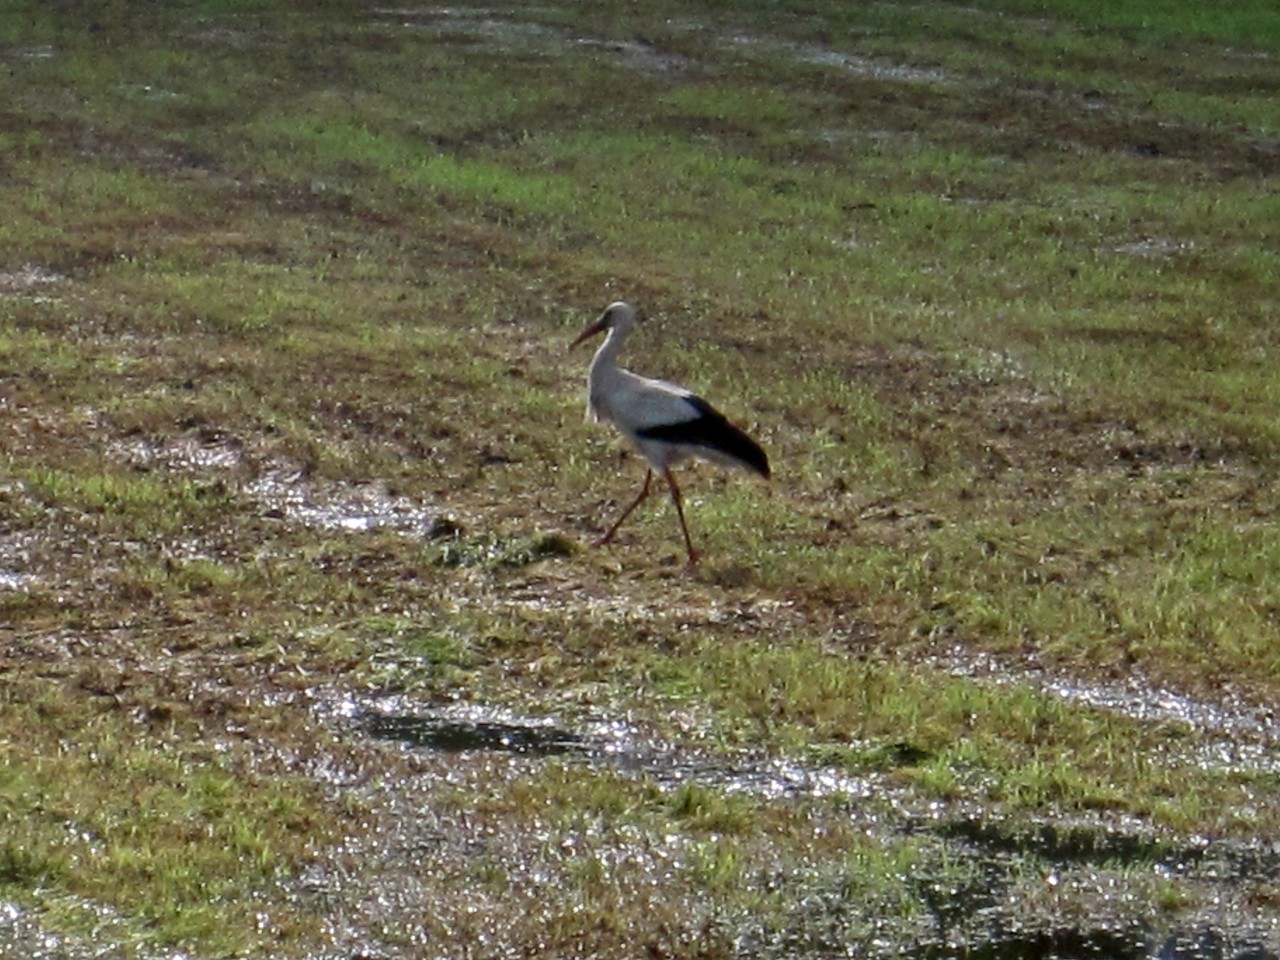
{"x":177,"y":836}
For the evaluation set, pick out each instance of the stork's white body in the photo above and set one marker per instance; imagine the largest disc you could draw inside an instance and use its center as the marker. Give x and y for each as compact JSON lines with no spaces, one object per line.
{"x":667,"y":423}
{"x":633,"y":404}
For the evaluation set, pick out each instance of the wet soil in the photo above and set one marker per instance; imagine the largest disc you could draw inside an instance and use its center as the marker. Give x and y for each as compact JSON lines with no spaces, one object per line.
{"x":989,"y":914}
{"x":1058,"y":888}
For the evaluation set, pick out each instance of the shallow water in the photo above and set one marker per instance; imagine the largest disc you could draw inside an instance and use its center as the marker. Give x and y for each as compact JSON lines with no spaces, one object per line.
{"x":818,"y":56}
{"x":981,"y":917}
{"x":1232,"y":733}
{"x":22,"y":937}
{"x":452,"y":735}
{"x":605,"y":744}
{"x":1135,"y":944}
{"x":287,"y":493}
{"x":342,"y":507}
{"x":27,"y":277}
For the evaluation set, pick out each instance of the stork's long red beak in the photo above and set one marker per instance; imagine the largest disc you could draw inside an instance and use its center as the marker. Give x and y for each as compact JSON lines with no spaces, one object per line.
{"x":597,"y":327}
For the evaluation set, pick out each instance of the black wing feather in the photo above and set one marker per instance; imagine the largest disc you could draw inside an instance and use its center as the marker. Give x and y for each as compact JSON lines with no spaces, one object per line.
{"x":712,"y":430}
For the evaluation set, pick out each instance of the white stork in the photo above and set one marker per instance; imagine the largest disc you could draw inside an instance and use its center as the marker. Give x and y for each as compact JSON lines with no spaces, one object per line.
{"x":665,"y":422}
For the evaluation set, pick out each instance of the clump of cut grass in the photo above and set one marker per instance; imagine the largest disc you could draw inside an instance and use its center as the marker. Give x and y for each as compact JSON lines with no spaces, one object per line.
{"x":501,"y":553}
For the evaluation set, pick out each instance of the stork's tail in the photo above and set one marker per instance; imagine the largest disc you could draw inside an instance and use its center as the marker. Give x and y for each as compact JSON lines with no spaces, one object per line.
{"x":712,"y":431}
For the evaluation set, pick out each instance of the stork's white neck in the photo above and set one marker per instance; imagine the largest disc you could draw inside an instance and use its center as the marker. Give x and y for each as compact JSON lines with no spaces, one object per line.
{"x":604,"y":374}
{"x":606,"y":357}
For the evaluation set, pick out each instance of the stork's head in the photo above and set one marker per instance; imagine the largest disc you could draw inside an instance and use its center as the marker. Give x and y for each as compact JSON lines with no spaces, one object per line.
{"x":618,"y":316}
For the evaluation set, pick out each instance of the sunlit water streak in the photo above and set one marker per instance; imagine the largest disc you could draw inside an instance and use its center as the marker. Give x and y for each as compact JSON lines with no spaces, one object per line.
{"x":611,"y":745}
{"x":977,"y":919}
{"x":1233,"y":734}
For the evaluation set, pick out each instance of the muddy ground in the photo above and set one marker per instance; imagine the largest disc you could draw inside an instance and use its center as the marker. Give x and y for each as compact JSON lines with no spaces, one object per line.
{"x":397,"y":609}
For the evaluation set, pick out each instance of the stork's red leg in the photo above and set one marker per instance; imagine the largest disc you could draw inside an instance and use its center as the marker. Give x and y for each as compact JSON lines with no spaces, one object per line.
{"x":644,"y":492}
{"x":684,"y":527}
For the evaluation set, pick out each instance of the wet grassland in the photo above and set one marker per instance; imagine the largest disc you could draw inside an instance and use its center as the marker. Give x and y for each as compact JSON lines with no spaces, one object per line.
{"x":302,"y":653}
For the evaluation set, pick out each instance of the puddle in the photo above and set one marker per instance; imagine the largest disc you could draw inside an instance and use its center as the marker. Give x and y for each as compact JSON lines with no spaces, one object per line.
{"x":180,"y":453}
{"x":858,"y":66}
{"x":985,"y":887}
{"x":1157,"y":705}
{"x":1051,"y":894}
{"x":224,"y":36}
{"x":15,"y":581}
{"x":32,"y":53}
{"x":23,"y":937}
{"x":606,"y":745}
{"x":27,"y":278}
{"x":490,"y":31}
{"x":16,"y":551}
{"x":1210,"y":944}
{"x":1055,"y":843}
{"x":1234,"y":734}
{"x":490,"y":27}
{"x":287,"y":493}
{"x":343,"y":508}
{"x":1155,"y":247}
{"x":553,"y":596}
{"x":640,"y":56}
{"x":454,"y":736}
{"x":969,"y":908}
{"x":1104,"y":944}
{"x":481,"y":25}
{"x":145,"y":91}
